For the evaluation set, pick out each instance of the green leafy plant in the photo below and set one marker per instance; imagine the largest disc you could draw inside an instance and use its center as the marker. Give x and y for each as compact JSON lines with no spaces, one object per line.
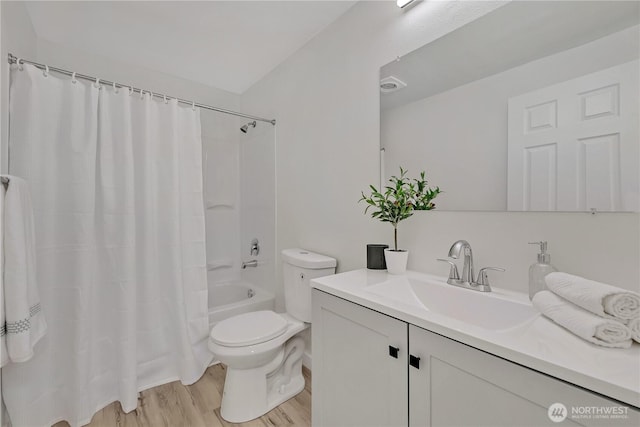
{"x":400,"y":199}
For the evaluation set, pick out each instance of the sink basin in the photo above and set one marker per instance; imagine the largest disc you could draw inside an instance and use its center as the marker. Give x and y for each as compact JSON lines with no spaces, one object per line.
{"x":487,"y":310}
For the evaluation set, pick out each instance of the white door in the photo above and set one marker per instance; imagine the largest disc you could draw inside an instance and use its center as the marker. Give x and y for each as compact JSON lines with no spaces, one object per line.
{"x":359,"y":365}
{"x":573,"y":146}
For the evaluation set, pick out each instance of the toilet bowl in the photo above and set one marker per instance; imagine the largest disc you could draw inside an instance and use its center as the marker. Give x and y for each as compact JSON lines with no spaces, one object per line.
{"x":252,"y":357}
{"x":262,"y":349}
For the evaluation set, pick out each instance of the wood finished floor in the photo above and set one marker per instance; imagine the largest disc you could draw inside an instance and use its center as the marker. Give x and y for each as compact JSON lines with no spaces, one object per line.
{"x":176,"y":405}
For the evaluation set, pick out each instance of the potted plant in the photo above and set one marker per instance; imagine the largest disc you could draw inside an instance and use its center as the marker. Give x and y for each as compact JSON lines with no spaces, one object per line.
{"x":399,"y":200}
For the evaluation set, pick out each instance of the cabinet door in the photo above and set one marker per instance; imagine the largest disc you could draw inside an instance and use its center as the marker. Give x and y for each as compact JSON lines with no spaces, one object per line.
{"x":356,"y":379}
{"x":458,"y":385}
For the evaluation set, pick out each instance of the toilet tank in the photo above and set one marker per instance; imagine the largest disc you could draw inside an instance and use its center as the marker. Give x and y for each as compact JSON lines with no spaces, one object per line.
{"x":299,"y":267}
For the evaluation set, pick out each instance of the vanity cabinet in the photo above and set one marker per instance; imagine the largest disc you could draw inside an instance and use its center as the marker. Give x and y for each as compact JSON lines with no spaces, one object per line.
{"x":359,"y":380}
{"x":359,"y":365}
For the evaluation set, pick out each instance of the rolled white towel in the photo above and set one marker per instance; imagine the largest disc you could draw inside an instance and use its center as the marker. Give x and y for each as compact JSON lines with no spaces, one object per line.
{"x":634,"y":327}
{"x":597,"y":330}
{"x":599,"y":298}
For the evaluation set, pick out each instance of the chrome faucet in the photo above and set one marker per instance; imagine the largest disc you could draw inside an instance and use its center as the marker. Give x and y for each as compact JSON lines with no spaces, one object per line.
{"x":459,"y":248}
{"x":467,"y":267}
{"x":255,"y":247}
{"x":252,"y":263}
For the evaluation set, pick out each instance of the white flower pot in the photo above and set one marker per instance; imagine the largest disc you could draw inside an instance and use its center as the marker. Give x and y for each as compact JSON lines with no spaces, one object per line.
{"x":396,"y":261}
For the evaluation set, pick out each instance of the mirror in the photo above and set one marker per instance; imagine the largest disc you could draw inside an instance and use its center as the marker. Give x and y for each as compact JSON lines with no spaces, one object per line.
{"x":533,"y":107}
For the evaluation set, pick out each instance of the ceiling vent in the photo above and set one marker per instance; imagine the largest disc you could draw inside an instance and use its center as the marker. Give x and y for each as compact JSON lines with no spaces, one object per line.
{"x":391,"y":84}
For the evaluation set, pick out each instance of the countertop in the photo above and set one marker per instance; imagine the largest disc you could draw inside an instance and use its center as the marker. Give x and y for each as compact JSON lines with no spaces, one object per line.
{"x":538,"y":344}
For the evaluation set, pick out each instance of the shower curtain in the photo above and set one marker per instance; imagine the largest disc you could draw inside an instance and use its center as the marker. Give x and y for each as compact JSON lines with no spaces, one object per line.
{"x":116,"y":183}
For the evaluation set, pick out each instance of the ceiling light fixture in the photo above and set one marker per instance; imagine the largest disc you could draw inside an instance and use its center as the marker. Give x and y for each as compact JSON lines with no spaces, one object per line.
{"x":403,"y":3}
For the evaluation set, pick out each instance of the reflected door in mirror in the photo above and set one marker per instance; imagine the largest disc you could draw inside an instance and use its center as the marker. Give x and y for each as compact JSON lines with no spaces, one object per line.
{"x":573,"y":146}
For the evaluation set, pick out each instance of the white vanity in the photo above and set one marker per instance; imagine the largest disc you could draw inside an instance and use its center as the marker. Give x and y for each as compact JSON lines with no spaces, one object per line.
{"x":412,"y":350}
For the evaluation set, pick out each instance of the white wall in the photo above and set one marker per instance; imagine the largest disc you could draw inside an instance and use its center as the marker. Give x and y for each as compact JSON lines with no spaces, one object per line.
{"x":467,"y":126}
{"x":17,"y":37}
{"x":326,"y":100}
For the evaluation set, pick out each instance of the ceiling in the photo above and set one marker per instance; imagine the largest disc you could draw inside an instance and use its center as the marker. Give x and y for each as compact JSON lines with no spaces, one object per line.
{"x":226,"y":44}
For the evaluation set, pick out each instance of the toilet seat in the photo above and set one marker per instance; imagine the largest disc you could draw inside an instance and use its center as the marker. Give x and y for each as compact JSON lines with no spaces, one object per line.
{"x":249,"y":328}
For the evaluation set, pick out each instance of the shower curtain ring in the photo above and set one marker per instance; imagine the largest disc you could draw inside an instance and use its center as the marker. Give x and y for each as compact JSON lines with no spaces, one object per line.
{"x":46,"y":71}
{"x":20,"y":67}
{"x":130,"y":90}
{"x":165,"y":99}
{"x":115,"y":89}
{"x":97,"y":83}
{"x":151,"y":95}
{"x":141,"y":94}
{"x":193,"y":105}
{"x":73,"y":78}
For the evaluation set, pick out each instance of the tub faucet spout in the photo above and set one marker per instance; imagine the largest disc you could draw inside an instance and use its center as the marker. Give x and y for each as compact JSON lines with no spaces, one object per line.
{"x":252,"y":263}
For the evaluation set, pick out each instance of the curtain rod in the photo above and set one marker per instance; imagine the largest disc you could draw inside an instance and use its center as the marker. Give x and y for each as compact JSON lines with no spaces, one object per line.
{"x":14,"y":60}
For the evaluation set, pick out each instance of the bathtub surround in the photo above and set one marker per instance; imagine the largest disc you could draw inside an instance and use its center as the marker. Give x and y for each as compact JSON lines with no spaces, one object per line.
{"x":117,"y":189}
{"x":257,"y":195}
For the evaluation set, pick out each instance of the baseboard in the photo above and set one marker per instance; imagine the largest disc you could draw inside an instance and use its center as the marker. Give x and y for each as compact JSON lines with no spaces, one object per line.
{"x":306,"y":360}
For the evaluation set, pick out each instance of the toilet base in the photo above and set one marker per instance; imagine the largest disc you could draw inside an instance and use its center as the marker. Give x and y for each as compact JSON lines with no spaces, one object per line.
{"x":251,"y":393}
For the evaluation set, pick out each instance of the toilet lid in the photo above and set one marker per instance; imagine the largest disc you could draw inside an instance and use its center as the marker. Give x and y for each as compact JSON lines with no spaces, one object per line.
{"x":248,"y":328}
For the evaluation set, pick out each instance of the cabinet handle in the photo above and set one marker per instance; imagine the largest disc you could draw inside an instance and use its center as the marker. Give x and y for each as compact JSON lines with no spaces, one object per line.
{"x":414,"y":361}
{"x":393,"y":351}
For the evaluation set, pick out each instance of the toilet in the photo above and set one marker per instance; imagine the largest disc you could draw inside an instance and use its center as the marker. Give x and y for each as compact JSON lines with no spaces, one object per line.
{"x":262,"y":349}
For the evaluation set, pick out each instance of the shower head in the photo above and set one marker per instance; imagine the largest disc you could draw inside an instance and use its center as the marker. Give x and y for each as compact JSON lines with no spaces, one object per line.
{"x":245,"y":128}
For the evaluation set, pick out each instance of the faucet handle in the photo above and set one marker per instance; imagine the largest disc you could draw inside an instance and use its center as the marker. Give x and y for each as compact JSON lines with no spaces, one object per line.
{"x":453,"y":272}
{"x":483,"y":280}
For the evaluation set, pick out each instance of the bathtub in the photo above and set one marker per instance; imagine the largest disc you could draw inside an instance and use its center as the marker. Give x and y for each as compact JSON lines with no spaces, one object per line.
{"x":237,"y":297}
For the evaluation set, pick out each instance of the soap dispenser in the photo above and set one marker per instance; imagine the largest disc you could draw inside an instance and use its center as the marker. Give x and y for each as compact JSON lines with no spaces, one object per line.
{"x":539,"y":270}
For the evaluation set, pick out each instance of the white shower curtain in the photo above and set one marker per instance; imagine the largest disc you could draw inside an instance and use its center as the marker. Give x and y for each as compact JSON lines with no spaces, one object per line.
{"x":116,"y":183}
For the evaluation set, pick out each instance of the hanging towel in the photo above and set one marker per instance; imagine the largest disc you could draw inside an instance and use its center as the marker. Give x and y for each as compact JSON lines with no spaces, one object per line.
{"x":599,"y":298}
{"x":597,"y":330}
{"x":24,"y":323}
{"x":634,"y":327}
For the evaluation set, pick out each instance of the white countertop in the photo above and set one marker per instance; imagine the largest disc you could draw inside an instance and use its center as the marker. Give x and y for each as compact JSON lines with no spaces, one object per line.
{"x":538,"y":344}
